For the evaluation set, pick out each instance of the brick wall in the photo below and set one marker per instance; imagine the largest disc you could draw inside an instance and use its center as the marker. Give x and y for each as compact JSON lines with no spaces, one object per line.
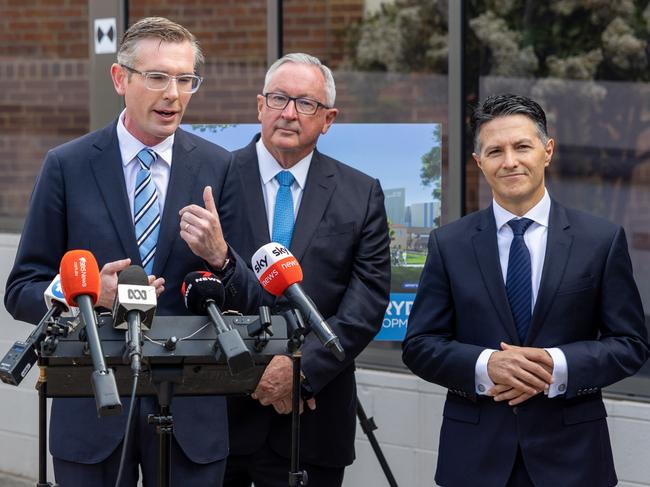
{"x":44,"y":74}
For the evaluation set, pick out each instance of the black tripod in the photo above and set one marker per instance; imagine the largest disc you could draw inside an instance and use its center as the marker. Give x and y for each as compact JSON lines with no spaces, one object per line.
{"x":368,"y":426}
{"x":296,"y":331}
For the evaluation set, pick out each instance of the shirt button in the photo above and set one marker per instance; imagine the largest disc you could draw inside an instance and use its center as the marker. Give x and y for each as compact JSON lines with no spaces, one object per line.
{"x":481,"y":388}
{"x":561,"y":387}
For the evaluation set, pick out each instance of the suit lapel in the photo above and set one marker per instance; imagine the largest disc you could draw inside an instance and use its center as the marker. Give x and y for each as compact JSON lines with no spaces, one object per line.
{"x":182,"y":179}
{"x":109,"y":175}
{"x":558,"y":246}
{"x":487,"y":256}
{"x":315,"y":199}
{"x":251,"y":184}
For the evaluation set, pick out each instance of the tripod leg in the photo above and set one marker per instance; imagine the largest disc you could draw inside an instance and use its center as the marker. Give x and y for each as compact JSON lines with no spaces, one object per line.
{"x":42,"y":429}
{"x":368,"y":426}
{"x":297,"y":477}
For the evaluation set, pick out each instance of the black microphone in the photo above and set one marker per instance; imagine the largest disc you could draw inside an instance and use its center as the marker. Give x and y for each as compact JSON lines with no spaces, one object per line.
{"x":20,"y":358}
{"x":204,"y":294}
{"x":280,"y":273}
{"x":133,"y":309}
{"x":81,"y":287}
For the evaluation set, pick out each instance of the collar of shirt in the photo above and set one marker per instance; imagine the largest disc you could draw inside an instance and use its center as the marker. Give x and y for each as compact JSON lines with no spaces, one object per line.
{"x":269,"y":167}
{"x":130,"y":146}
{"x":538,"y":213}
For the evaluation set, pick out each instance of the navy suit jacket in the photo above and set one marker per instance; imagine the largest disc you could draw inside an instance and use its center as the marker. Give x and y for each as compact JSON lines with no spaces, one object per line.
{"x":588,"y":306}
{"x":80,"y":202}
{"x":341,"y":241}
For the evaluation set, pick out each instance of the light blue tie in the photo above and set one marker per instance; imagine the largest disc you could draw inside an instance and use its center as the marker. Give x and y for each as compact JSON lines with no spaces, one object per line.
{"x":519,"y":286}
{"x":146,"y":211}
{"x":283,"y":213}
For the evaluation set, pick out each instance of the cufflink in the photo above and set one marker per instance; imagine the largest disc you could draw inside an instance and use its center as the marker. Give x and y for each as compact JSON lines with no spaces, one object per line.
{"x":561,"y":387}
{"x":481,"y":388}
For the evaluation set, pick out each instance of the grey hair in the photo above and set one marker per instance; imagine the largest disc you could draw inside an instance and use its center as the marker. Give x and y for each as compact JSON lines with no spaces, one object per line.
{"x":502,"y":105}
{"x":156,"y":28}
{"x":302,"y":58}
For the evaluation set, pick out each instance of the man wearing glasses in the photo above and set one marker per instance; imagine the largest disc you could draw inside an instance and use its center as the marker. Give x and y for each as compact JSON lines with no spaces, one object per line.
{"x":120,"y":193}
{"x":332,"y":218}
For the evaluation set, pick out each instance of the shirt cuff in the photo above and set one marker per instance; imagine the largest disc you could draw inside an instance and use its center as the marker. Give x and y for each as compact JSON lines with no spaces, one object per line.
{"x":560,"y":372}
{"x":482,"y":380}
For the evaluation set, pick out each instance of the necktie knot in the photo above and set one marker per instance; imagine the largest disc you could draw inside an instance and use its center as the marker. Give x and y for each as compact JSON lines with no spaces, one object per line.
{"x":146,"y":157}
{"x":519,"y":226}
{"x":285,"y":178}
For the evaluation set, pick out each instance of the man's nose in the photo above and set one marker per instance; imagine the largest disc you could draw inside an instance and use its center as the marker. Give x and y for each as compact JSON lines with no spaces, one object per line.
{"x":290,"y":111}
{"x":171,"y":92}
{"x":510,"y":158}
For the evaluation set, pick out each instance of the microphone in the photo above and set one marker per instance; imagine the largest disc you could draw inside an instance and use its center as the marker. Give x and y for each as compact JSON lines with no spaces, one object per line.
{"x":20,"y":358}
{"x":133,"y":309}
{"x":54,"y":297}
{"x":280,"y":273}
{"x":204,"y":294}
{"x":81,"y":286}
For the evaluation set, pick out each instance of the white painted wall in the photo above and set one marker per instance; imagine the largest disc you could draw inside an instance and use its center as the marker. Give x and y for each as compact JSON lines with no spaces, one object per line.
{"x":407,"y":410}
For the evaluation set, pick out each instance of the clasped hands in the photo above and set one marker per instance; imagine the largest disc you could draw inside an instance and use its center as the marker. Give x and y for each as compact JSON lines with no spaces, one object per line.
{"x":275,"y":386}
{"x":519,"y":373}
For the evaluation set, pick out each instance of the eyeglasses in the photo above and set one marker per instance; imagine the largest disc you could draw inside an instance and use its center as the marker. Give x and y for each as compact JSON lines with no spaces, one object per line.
{"x":279,"y":101}
{"x":155,"y":81}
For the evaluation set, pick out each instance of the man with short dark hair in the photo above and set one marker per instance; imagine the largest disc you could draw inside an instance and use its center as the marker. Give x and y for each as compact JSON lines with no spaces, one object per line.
{"x":332,"y":219}
{"x":132,"y":192}
{"x":525,"y":311}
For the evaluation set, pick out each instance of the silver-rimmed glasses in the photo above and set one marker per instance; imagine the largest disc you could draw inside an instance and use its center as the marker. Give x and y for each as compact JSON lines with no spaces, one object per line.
{"x":155,"y":81}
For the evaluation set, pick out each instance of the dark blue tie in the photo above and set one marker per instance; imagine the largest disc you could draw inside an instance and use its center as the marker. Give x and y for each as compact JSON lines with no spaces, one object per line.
{"x":283,"y":216}
{"x":519,"y":285}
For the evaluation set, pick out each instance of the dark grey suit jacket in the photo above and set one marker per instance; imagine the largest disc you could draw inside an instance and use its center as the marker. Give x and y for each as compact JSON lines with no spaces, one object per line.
{"x":80,"y":202}
{"x":341,"y":241}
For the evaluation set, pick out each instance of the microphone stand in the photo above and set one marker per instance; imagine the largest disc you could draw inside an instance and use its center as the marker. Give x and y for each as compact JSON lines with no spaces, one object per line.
{"x":41,"y":385}
{"x":296,"y":330}
{"x":45,"y":338}
{"x":163,"y":380}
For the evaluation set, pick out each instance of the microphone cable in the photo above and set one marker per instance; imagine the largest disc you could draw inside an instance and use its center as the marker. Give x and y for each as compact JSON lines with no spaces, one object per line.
{"x":129,"y":420}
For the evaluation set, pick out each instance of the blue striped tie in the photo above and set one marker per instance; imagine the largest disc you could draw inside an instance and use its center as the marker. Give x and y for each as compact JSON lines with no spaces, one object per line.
{"x":518,"y":279}
{"x":283,"y":213}
{"x":145,"y":210}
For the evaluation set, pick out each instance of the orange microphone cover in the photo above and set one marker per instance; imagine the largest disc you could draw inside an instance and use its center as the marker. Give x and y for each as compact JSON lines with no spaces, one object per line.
{"x":79,"y":276}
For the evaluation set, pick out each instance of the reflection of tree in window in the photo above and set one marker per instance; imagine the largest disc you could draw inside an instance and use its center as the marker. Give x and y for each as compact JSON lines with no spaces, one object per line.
{"x":431,"y":170}
{"x":586,"y":62}
{"x":401,"y":36}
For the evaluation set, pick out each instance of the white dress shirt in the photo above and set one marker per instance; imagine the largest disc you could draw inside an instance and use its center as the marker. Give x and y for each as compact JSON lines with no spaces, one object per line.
{"x":160,"y":168}
{"x":269,"y":167}
{"x":535,"y":238}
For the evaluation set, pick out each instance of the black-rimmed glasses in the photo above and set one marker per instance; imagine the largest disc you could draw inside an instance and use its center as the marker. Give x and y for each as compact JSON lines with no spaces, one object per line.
{"x":279,"y":101}
{"x":155,"y":81}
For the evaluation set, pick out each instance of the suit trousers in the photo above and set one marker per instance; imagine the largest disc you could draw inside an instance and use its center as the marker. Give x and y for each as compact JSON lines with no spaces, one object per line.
{"x":142,"y":455}
{"x":265,"y":468}
{"x":519,"y":476}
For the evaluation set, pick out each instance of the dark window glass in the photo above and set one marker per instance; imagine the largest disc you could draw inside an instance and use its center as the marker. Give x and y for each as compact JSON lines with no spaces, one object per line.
{"x":390,"y":65}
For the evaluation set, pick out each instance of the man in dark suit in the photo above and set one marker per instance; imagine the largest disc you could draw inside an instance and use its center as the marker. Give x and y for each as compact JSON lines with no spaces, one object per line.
{"x":525,"y":311}
{"x":88,"y":196}
{"x":337,"y":229}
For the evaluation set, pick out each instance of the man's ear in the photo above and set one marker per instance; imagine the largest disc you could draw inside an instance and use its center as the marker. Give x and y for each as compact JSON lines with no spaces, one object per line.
{"x":330,"y":116}
{"x":120,"y":78}
{"x":260,"y":106}
{"x":548,"y":149}
{"x":477,"y":160}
